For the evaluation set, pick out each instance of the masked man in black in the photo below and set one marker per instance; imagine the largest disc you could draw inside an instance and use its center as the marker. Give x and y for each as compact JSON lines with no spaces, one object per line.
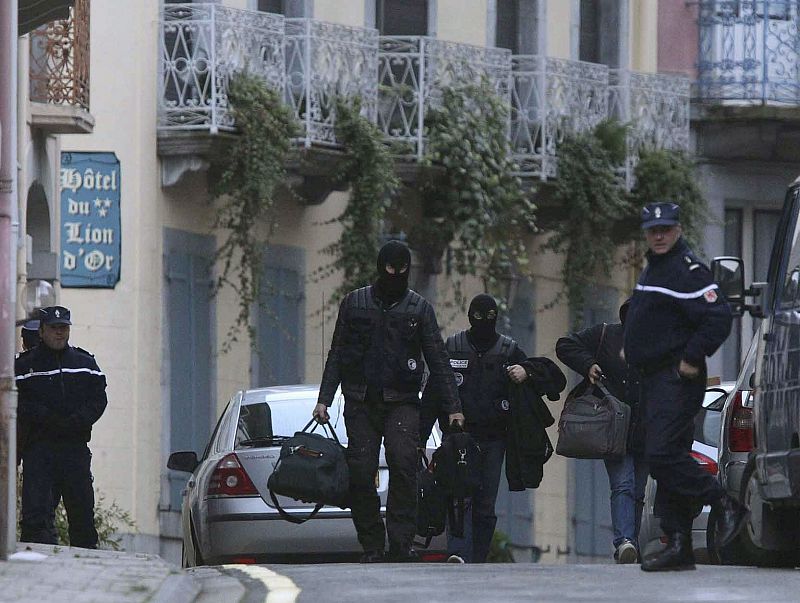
{"x":485,"y":364}
{"x":382,"y":333}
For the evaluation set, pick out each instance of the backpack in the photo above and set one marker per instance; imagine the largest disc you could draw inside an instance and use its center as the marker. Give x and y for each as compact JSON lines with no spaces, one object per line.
{"x":431,"y":503}
{"x":457,"y":469}
{"x":310,"y":468}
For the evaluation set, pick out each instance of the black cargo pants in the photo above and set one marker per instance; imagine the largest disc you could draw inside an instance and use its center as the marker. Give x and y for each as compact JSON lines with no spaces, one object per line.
{"x":64,"y":467}
{"x":397,"y":424}
{"x":670,"y":405}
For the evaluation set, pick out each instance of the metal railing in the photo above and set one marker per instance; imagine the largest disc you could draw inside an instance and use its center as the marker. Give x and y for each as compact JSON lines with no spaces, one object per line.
{"x":656,"y":107}
{"x":551,"y":98}
{"x":748,"y":51}
{"x":325,"y":61}
{"x":202,"y":45}
{"x":413,"y":72}
{"x":59,"y":60}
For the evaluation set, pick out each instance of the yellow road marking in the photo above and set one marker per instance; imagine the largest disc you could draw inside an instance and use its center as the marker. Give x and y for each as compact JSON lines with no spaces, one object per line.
{"x":280,"y":589}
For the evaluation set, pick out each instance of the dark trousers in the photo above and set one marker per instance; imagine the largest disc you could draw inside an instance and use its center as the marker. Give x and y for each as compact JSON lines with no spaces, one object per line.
{"x":397,"y":424}
{"x":64,"y":467}
{"x":479,"y":513}
{"x":670,"y":405}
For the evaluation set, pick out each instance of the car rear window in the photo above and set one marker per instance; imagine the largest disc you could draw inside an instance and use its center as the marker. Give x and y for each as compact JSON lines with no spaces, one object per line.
{"x":269,"y":424}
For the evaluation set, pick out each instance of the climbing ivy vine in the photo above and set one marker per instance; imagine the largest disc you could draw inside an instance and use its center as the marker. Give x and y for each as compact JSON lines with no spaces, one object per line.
{"x":369,"y":169}
{"x":245,"y":177}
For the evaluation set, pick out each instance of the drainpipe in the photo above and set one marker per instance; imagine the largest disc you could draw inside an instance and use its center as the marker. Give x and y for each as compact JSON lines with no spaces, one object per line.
{"x":8,"y":250}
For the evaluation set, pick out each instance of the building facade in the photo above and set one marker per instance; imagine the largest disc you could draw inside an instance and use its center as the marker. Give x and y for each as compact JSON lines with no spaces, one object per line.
{"x":158,"y":72}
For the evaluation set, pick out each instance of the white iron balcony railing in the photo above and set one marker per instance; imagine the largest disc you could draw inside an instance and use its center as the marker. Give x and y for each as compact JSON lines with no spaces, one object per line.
{"x":202,"y":45}
{"x":413,"y":72}
{"x":748,"y":51}
{"x":656,"y":106}
{"x":325,"y":61}
{"x":550,"y":98}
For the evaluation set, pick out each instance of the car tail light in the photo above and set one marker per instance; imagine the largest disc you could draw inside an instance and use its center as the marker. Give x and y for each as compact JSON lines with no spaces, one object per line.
{"x":244,"y":560}
{"x":741,"y":426}
{"x":433,"y":557}
{"x":706,"y":462}
{"x":230,"y":479}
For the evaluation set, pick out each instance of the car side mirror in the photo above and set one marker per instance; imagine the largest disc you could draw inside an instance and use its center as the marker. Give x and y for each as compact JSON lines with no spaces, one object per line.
{"x":728,"y":273}
{"x":183,"y":461}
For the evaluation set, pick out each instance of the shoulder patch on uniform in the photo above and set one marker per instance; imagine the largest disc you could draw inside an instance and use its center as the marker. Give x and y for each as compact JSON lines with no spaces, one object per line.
{"x":457,"y":363}
{"x":710,"y":296}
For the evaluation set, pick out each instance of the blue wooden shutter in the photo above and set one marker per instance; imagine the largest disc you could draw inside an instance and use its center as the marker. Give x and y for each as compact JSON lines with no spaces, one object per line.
{"x":189,"y":316}
{"x":280,"y":357}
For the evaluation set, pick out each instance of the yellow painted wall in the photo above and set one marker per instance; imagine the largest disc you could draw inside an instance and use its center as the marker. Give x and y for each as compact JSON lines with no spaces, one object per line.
{"x":644,"y":35}
{"x":462,"y":21}
{"x":347,"y":12}
{"x":559,"y":18}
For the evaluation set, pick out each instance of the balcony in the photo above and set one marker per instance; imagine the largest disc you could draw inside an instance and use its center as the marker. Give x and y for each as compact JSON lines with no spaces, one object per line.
{"x":399,"y":79}
{"x":59,"y":74}
{"x":748,"y":53}
{"x":413,"y":71}
{"x":657,"y":108}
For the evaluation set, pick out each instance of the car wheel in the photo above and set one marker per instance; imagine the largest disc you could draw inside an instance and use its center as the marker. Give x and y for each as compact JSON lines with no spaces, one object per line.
{"x":743,"y":551}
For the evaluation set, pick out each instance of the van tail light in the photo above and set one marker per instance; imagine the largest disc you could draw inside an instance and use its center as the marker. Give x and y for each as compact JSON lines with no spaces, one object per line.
{"x":230,"y":479}
{"x":706,"y":462}
{"x":432,"y":557}
{"x":741,"y":426}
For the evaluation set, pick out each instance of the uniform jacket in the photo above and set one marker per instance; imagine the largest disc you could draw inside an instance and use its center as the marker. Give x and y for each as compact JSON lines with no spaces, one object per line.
{"x":383,"y":348}
{"x":483,"y":385}
{"x":579,"y":351}
{"x":676,"y":312}
{"x":61,"y":394}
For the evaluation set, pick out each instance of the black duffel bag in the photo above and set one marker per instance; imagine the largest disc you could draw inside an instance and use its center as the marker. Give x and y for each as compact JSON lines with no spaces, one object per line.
{"x":457,"y":469}
{"x":431,"y":503}
{"x":591,"y":427}
{"x":311,"y":468}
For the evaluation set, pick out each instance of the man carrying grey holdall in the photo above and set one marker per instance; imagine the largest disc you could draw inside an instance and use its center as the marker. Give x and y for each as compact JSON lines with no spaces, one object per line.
{"x":591,"y":353}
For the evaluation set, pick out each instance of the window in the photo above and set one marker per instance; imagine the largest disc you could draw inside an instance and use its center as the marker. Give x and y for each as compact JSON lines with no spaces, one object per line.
{"x":765,"y":229}
{"x":600,"y":26}
{"x":507,"y":25}
{"x":402,"y":17}
{"x":272,"y":6}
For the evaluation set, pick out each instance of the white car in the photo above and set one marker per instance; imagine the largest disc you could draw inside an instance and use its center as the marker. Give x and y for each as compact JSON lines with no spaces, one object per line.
{"x":704,"y":451}
{"x":227,"y":513}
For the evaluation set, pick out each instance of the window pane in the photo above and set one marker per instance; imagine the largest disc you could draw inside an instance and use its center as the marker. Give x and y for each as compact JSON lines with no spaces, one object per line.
{"x":589,"y":45}
{"x":506,"y":25}
{"x":271,"y":6}
{"x":402,"y":17}
{"x":765,"y":229}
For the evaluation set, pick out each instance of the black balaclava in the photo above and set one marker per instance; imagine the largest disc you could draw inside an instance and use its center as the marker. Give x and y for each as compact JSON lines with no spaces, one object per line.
{"x":483,"y":320}
{"x":390,"y":288}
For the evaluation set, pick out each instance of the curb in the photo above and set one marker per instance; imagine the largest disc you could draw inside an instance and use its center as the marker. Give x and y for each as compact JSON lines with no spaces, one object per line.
{"x":177,"y":588}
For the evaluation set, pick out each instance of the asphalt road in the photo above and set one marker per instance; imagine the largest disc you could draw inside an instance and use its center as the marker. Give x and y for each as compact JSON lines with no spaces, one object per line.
{"x":450,"y":583}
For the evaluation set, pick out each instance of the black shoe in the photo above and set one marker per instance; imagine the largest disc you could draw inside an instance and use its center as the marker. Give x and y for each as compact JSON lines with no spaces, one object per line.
{"x":730,"y":519}
{"x":402,"y":554}
{"x":372,"y":557}
{"x":676,"y":557}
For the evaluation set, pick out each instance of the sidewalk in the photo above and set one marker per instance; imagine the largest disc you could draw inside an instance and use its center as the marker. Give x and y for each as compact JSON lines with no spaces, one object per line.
{"x":38,"y":573}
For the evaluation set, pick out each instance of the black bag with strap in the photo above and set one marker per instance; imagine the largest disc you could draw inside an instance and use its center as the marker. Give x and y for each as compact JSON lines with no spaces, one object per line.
{"x":591,"y":427}
{"x":311,"y":468}
{"x":431,"y":503}
{"x":457,"y":468}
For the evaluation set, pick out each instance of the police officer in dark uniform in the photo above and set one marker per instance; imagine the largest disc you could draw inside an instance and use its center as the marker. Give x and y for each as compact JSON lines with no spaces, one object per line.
{"x":484,"y":363}
{"x":382,"y":333}
{"x":676,"y":319}
{"x":30,"y":334}
{"x":61,"y":395}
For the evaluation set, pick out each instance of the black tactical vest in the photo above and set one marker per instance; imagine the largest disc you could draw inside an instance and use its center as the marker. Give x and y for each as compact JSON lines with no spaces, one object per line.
{"x":382,"y":346}
{"x":482,"y":382}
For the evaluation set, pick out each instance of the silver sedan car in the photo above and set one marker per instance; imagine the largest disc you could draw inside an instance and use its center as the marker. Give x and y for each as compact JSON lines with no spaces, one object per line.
{"x":227,"y":513}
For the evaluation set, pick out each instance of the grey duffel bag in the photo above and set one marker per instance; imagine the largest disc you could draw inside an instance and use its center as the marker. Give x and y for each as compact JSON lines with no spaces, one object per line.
{"x":593,"y":428}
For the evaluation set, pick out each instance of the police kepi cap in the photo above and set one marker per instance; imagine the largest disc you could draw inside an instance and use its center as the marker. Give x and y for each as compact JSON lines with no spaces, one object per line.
{"x":31,"y":325}
{"x":55,"y":315}
{"x":662,"y":213}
